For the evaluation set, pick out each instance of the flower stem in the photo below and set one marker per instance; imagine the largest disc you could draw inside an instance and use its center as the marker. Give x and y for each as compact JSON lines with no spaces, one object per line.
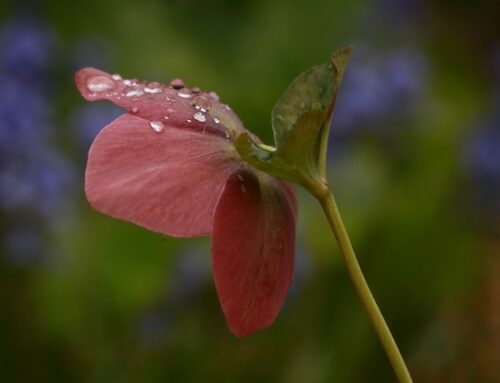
{"x":351,"y":263}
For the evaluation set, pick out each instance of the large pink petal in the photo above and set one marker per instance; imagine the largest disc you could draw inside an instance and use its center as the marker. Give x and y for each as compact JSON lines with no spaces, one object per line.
{"x":253,"y":242}
{"x":166,"y":181}
{"x":182,"y":107}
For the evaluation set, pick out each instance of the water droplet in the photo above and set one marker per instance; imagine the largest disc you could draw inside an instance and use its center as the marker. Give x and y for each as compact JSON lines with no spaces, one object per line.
{"x":135,"y":109}
{"x":166,"y":117}
{"x":152,"y":90}
{"x":127,"y":82}
{"x":116,"y":77}
{"x":214,"y":95}
{"x":226,"y":133}
{"x":157,"y":126}
{"x":189,"y":120}
{"x":196,"y":90}
{"x":216,"y":120}
{"x":201,"y":103}
{"x":177,"y":83}
{"x":184,"y":93}
{"x":170,"y":111}
{"x":134,"y":93}
{"x":198,"y":116}
{"x":100,"y":84}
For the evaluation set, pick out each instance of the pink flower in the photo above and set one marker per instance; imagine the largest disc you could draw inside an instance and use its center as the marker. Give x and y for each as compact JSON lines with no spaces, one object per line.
{"x":170,"y":165}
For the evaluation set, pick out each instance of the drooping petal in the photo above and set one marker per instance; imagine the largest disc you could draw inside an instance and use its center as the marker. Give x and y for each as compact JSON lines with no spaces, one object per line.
{"x":253,"y":242}
{"x":182,"y":107}
{"x":163,"y":178}
{"x":292,"y":198}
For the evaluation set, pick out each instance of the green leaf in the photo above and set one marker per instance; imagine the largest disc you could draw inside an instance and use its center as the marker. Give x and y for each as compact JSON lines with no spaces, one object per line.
{"x":301,"y":123}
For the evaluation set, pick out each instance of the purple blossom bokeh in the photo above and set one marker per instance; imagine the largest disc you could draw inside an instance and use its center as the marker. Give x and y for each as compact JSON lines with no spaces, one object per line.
{"x":35,"y":177}
{"x":481,"y":155}
{"x":379,"y":89}
{"x":88,"y":120}
{"x":482,"y":167}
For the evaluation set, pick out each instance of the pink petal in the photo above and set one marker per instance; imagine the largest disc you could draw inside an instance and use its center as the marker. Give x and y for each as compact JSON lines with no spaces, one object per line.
{"x":253,"y":243}
{"x":179,"y":106}
{"x":167,"y":181}
{"x":292,"y":198}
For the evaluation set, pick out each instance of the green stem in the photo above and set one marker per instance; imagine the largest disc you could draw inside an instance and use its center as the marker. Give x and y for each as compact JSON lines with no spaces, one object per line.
{"x":351,"y":263}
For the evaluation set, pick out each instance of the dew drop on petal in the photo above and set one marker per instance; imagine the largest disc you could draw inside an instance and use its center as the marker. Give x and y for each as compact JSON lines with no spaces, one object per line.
{"x":201,"y":103}
{"x":184,"y":93}
{"x":177,"y":83}
{"x":152,"y":90}
{"x":196,"y":90}
{"x":157,"y":126}
{"x":214,"y":96}
{"x":98,"y":84}
{"x":127,"y":82}
{"x":198,"y":116}
{"x":135,"y":109}
{"x":116,"y":77}
{"x":216,"y":120}
{"x":134,"y":93}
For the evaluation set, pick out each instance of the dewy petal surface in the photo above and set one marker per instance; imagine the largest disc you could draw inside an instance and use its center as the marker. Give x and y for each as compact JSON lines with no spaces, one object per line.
{"x":253,"y":243}
{"x":182,"y":107}
{"x":167,"y":181}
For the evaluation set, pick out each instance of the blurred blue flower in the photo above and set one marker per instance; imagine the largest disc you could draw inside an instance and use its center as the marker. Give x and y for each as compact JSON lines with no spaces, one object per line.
{"x":482,"y":153}
{"x":399,"y":12}
{"x":90,"y":119}
{"x":482,"y":167}
{"x":378,"y":89}
{"x":25,"y":116}
{"x":26,"y":47}
{"x":38,"y":184}
{"x":35,"y":178}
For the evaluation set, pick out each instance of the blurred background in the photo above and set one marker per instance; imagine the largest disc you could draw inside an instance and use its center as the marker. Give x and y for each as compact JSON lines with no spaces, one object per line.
{"x":414,"y":162}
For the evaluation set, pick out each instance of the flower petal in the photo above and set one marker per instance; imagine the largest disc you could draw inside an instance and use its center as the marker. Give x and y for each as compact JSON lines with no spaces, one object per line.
{"x":253,"y":243}
{"x":182,"y":107}
{"x":292,"y":198}
{"x":167,"y":181}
